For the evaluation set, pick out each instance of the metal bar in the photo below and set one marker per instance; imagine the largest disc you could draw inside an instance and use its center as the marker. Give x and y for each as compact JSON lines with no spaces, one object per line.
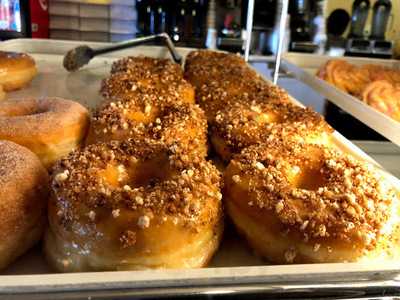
{"x":282,"y":25}
{"x":249,"y":28}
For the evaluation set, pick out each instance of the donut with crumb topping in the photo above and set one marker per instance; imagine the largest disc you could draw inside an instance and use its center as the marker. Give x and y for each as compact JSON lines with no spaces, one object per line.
{"x":138,"y":75}
{"x":141,"y":65}
{"x":133,"y":205}
{"x":299,"y":203}
{"x":241,"y":125}
{"x":182,"y":125}
{"x":221,"y":79}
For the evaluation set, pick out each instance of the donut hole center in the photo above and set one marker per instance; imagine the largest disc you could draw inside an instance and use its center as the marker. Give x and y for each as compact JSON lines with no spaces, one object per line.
{"x":308,"y":177}
{"x":137,"y":174}
{"x":149,"y":172}
{"x":145,"y":116}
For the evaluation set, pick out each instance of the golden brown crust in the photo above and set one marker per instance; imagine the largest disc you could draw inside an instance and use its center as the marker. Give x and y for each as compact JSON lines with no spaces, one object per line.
{"x":16,"y":70}
{"x":143,"y":117}
{"x":123,"y":196}
{"x":23,"y":198}
{"x":317,"y":197}
{"x":50,"y":127}
{"x":244,"y":124}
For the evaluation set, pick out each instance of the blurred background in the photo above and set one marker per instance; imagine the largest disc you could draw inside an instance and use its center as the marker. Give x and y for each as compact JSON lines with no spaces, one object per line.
{"x":336,"y":27}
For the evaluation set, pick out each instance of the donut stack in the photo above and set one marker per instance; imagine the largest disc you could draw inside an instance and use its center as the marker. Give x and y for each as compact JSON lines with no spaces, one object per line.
{"x":290,"y":192}
{"x":141,"y":194}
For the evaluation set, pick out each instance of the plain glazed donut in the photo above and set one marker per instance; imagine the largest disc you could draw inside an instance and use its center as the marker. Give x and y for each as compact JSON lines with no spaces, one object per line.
{"x":241,"y":125}
{"x":16,"y":70}
{"x":143,"y":117}
{"x":299,"y":203}
{"x":23,"y":197}
{"x":49,"y":127}
{"x":133,"y":205}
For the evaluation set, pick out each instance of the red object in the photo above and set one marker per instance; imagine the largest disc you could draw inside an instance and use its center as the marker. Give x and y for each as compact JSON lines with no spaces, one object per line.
{"x":39,"y":18}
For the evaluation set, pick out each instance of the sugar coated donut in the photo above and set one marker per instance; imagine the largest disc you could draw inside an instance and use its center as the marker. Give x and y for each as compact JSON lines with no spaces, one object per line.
{"x":300,"y":203}
{"x":133,"y":205}
{"x":49,"y":127}
{"x":23,"y":197}
{"x":244,"y":124}
{"x":16,"y":70}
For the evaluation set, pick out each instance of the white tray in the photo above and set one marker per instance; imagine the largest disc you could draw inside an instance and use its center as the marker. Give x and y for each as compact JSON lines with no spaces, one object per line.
{"x":304,"y":67}
{"x":234,"y":268}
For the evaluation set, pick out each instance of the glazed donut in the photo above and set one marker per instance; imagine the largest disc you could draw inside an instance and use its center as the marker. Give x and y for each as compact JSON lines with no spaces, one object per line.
{"x":139,"y":65}
{"x":182,"y":125}
{"x":23,"y":197}
{"x":204,"y":66}
{"x":221,"y":79}
{"x":299,"y":203}
{"x":16,"y":70}
{"x":133,"y":205}
{"x":244,"y":124}
{"x":384,"y":97}
{"x":136,"y":75}
{"x":49,"y":127}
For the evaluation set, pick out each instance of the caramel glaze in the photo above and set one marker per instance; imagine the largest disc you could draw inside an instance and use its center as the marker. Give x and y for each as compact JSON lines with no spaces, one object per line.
{"x":243,"y":124}
{"x":146,"y":117}
{"x":221,"y":79}
{"x":138,"y":198}
{"x":316,"y":204}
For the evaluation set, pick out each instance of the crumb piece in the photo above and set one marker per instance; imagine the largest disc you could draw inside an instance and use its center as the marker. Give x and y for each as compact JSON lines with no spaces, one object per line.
{"x":143,"y":222}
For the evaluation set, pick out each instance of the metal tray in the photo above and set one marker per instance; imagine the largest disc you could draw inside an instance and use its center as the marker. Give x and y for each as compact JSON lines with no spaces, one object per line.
{"x":304,"y":66}
{"x":234,"y":271}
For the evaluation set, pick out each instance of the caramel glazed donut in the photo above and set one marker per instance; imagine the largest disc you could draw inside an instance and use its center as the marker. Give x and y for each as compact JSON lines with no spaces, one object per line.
{"x":241,"y":125}
{"x":133,"y":205}
{"x":23,"y":197}
{"x":16,"y":70}
{"x":136,"y":75}
{"x":49,"y":127}
{"x":183,"y":126}
{"x":299,"y":203}
{"x":221,"y":79}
